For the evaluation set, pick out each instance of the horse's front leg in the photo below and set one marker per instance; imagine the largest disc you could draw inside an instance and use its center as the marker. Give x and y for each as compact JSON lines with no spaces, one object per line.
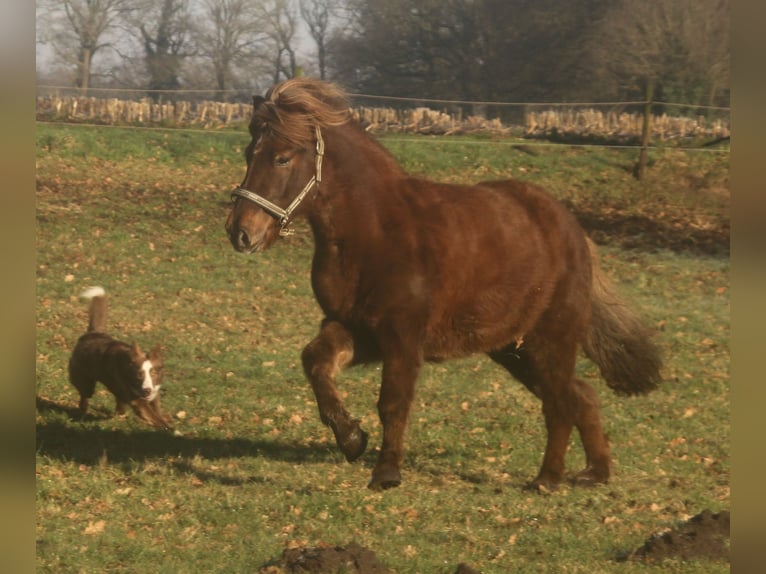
{"x":400,"y":372}
{"x":323,"y":358}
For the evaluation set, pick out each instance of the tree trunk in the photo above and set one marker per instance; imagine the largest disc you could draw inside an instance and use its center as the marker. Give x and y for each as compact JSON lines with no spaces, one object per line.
{"x":322,"y":57}
{"x":84,"y":79}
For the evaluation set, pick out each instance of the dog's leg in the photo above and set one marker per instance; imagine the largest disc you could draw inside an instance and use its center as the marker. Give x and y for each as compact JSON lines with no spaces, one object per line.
{"x":165,"y":419}
{"x":141,"y":408}
{"x":85,"y":387}
{"x":155,"y":405}
{"x":120,"y":407}
{"x":147,"y":413}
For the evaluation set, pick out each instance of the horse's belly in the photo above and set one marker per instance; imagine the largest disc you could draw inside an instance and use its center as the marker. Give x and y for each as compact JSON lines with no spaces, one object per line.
{"x":486,"y":322}
{"x":465,"y":336}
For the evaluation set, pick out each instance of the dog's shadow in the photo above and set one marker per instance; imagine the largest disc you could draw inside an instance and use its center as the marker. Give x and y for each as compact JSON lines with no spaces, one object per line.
{"x":90,"y":444}
{"x":73,"y":413}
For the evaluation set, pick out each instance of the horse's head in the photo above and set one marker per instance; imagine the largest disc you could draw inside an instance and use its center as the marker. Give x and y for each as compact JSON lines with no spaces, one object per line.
{"x":280,"y":170}
{"x":284,"y":161}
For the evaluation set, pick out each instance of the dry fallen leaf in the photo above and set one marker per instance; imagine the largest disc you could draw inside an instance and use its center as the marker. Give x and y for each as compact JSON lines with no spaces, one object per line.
{"x":95,"y":527}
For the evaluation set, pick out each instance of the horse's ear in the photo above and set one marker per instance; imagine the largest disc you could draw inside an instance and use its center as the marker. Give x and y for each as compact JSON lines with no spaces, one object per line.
{"x":257,"y":101}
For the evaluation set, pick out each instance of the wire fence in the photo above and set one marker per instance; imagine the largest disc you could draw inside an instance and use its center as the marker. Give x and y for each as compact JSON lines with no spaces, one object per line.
{"x":607,"y":123}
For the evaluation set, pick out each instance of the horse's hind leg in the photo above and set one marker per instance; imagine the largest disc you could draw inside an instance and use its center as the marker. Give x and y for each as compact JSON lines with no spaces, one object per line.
{"x":525,"y":367}
{"x":323,"y":358}
{"x":547,"y":369}
{"x":588,"y":423}
{"x":574,"y":403}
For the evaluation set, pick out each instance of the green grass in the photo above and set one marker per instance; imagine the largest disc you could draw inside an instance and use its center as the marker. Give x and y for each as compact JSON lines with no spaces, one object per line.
{"x":252,"y":470}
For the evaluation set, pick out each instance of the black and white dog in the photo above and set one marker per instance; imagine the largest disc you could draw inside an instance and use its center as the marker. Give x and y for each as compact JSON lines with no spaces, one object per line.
{"x":132,"y":376}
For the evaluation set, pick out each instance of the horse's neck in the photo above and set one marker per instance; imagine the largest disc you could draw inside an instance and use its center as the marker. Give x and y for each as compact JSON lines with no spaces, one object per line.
{"x":360,"y":173}
{"x":360,"y":154}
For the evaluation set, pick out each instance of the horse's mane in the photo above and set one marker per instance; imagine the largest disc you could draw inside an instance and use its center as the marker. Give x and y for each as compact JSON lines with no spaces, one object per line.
{"x":292,"y":108}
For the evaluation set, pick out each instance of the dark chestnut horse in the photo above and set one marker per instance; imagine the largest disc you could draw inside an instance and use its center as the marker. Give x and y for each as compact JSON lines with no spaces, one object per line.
{"x":408,"y":270}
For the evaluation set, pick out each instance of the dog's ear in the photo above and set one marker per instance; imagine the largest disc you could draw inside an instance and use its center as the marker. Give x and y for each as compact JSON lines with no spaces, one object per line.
{"x":156,"y":353}
{"x":135,"y":351}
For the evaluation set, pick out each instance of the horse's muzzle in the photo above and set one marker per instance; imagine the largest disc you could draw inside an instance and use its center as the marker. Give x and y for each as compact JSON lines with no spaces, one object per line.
{"x":240,"y":239}
{"x":242,"y":242}
{"x":251,"y":233}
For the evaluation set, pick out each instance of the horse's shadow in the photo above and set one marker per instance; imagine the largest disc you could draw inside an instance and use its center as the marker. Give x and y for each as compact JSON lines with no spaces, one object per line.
{"x":90,"y":445}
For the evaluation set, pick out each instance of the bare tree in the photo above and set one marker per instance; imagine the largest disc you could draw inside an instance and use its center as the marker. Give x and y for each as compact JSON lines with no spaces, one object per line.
{"x":79,"y":30}
{"x":678,"y":49}
{"x":230,"y":34}
{"x":711,"y":49}
{"x":675,"y":50}
{"x":318,"y":16}
{"x":163,"y":28}
{"x":281,"y":25}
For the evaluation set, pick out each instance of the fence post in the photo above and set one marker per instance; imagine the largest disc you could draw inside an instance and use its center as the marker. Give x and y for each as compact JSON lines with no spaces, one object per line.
{"x":646,"y":129}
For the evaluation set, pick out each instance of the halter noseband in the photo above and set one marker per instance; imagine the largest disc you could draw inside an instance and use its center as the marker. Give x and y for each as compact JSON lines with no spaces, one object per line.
{"x":283,"y":215}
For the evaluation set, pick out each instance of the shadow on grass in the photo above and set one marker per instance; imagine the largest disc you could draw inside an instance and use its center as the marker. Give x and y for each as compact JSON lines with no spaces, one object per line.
{"x":88,"y":444}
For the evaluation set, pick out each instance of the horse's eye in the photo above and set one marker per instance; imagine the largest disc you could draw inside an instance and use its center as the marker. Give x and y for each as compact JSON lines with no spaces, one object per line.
{"x":281,"y":161}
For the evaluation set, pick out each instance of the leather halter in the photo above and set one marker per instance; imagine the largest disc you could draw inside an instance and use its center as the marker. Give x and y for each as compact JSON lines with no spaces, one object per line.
{"x":283,"y":215}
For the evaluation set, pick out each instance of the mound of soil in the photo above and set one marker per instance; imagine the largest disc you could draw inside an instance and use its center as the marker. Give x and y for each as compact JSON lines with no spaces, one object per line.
{"x":703,"y":536}
{"x":353,"y":559}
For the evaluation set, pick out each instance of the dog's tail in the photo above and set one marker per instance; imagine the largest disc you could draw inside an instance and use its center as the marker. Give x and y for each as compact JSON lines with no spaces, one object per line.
{"x":97,"y":297}
{"x":618,"y":341}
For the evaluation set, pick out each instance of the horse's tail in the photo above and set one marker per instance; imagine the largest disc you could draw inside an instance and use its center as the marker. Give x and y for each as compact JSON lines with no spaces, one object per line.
{"x":618,"y":341}
{"x":97,"y":320}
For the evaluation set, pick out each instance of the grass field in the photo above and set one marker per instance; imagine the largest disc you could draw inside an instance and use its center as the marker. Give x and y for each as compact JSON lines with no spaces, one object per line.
{"x":251,"y":470}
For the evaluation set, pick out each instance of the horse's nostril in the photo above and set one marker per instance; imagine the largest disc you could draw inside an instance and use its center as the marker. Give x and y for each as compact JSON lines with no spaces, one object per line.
{"x":243,"y":239}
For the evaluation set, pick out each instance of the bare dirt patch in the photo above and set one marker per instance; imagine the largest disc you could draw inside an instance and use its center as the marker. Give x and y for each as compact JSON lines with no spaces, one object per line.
{"x":706,"y":535}
{"x":676,"y":232}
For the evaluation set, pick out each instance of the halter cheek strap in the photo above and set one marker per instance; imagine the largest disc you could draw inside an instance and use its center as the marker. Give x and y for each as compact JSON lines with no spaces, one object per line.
{"x":283,"y":215}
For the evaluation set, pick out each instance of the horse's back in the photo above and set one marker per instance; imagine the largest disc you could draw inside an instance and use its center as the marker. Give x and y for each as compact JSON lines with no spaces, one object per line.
{"x":489,"y":260}
{"x":512,"y":226}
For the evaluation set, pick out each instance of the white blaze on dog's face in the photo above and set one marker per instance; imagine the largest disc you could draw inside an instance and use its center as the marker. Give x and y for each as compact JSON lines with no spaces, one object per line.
{"x":149,"y":386}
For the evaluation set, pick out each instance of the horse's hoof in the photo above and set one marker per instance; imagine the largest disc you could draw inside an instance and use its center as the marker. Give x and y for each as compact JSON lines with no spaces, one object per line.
{"x":541,"y":487}
{"x":590,"y":477}
{"x":543,"y":484}
{"x":385,"y":479}
{"x":353,"y":444}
